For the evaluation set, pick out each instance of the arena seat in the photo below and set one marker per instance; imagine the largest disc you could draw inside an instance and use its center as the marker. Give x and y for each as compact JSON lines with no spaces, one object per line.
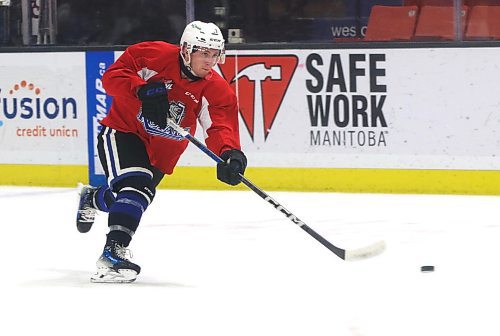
{"x":391,"y":23}
{"x":437,"y":22}
{"x":484,"y":23}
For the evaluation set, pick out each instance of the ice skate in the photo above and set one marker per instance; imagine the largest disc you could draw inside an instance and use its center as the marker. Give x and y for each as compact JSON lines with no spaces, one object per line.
{"x":113,"y":266}
{"x":86,"y":210}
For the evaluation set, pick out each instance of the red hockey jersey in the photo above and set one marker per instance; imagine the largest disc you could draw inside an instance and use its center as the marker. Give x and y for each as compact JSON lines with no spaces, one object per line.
{"x":210,"y":101}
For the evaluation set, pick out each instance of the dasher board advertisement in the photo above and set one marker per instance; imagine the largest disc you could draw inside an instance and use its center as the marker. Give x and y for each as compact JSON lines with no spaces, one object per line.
{"x":43,"y":109}
{"x":415,"y":108}
{"x":379,"y":108}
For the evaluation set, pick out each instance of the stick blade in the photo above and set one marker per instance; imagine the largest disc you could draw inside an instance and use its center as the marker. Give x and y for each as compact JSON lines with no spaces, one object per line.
{"x":365,"y":252}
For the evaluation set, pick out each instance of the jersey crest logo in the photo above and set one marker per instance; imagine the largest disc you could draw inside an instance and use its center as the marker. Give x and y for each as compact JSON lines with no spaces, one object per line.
{"x":177,"y":111}
{"x":260,"y":83}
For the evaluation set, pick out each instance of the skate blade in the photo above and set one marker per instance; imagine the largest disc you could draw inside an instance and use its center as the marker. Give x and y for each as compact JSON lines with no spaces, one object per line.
{"x":83,"y":227}
{"x":111,"y":276}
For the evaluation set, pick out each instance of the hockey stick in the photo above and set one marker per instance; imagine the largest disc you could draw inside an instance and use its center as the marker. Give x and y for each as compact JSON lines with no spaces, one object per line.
{"x":355,"y":254}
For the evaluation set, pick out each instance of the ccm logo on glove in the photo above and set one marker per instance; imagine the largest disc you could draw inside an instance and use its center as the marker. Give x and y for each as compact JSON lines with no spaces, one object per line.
{"x":155,"y":105}
{"x":234,"y":163}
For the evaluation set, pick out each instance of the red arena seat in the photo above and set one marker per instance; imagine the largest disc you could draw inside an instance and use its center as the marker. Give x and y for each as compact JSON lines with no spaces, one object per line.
{"x":484,"y":23}
{"x":437,"y":22}
{"x":391,"y":23}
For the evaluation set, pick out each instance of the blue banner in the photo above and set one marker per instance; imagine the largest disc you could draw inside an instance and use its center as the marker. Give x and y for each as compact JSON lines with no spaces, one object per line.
{"x":98,"y":104}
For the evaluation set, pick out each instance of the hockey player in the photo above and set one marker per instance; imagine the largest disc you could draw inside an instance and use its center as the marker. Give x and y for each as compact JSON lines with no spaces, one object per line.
{"x":150,"y":82}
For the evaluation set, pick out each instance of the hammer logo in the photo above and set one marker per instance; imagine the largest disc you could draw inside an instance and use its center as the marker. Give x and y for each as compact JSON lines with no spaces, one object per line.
{"x":260,"y":83}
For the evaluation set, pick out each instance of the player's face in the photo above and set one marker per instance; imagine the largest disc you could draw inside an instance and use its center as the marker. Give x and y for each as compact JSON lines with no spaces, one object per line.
{"x":203,"y":60}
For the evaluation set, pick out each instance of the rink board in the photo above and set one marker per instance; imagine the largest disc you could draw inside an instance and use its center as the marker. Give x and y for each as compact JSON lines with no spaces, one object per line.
{"x":358,"y":120}
{"x":286,"y":179}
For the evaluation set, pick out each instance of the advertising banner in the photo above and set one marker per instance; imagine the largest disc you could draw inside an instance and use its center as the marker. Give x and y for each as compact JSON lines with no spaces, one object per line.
{"x":416,"y":108}
{"x":380,"y":108}
{"x":42,"y":108}
{"x":98,"y":106}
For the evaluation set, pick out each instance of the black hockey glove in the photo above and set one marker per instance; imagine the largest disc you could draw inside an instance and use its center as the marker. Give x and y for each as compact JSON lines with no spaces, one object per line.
{"x":155,"y":105}
{"x":234,"y":164}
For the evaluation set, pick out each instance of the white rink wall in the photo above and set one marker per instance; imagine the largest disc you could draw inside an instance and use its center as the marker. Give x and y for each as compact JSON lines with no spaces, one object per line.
{"x":383,"y":109}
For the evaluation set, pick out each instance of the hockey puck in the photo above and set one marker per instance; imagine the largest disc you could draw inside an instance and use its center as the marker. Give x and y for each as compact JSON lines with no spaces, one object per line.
{"x":426,"y":269}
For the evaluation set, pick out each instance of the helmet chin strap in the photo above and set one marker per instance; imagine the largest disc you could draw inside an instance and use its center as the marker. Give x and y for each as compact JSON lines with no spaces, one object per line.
{"x":186,"y":69}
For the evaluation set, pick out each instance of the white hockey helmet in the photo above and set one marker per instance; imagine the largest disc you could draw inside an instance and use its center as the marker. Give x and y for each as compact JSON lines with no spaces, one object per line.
{"x":199,"y":34}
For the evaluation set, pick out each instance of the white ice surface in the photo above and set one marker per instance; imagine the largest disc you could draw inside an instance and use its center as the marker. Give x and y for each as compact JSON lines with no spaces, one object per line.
{"x":227,"y":263}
